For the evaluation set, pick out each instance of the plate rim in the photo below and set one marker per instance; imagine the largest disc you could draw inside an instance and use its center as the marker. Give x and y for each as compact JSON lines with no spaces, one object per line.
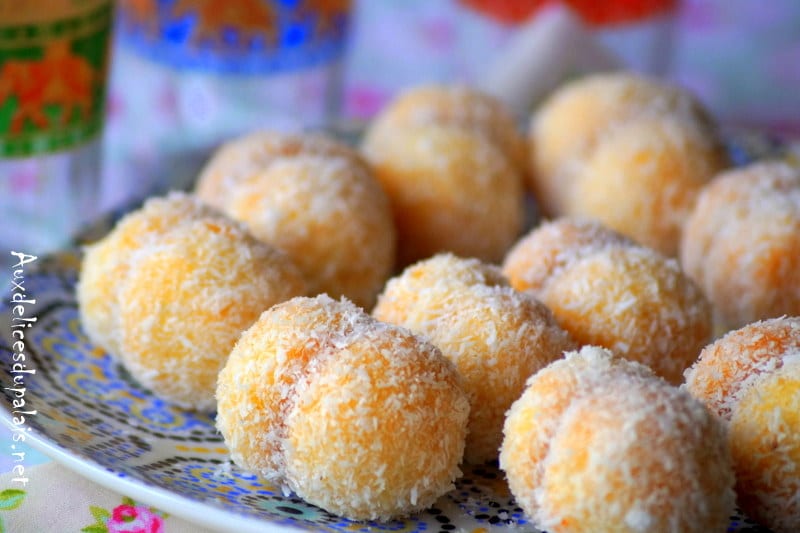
{"x":213,"y":518}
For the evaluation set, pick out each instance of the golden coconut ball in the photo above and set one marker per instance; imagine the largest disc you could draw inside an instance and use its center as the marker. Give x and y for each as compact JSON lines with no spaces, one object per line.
{"x":636,"y":303}
{"x":643,"y":179}
{"x":551,"y":246}
{"x":578,"y":116}
{"x":316,"y":200}
{"x":451,"y":189}
{"x":240,"y":158}
{"x":751,"y":379}
{"x":107,"y":263}
{"x":361,"y":418}
{"x":495,"y":336}
{"x":597,"y":443}
{"x":441,"y":269}
{"x":742,"y":243}
{"x":329,"y":215}
{"x":187,"y":298}
{"x":459,"y":106}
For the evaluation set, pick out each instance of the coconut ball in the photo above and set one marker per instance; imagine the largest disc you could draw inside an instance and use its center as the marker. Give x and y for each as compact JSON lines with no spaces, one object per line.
{"x":751,"y":379}
{"x":597,"y":443}
{"x":495,"y":336}
{"x":642,"y":179}
{"x":107,"y":263}
{"x":551,"y":246}
{"x":460,"y":106}
{"x":742,"y":243}
{"x":579,"y":116}
{"x":329,"y":215}
{"x":636,"y":303}
{"x":240,"y":158}
{"x":186,"y":299}
{"x":450,"y":189}
{"x":453,"y":166}
{"x":361,"y":418}
{"x":316,"y":200}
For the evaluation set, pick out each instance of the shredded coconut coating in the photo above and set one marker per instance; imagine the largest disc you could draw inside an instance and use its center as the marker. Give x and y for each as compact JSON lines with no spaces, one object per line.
{"x":460,"y":106}
{"x":495,"y":336}
{"x":742,"y":243}
{"x":751,"y":378}
{"x":730,"y":366}
{"x":580,"y":114}
{"x":440,"y":270}
{"x":597,"y":443}
{"x":643,"y":178}
{"x":362,"y":418}
{"x":107,"y":262}
{"x":765,"y":443}
{"x":552,"y":246}
{"x":451,"y":189}
{"x":240,"y":158}
{"x":636,"y":303}
{"x":314,"y":198}
{"x":186,"y":299}
{"x":332,"y":218}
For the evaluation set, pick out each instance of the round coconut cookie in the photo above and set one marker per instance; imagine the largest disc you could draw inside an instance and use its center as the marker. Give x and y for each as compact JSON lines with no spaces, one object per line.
{"x":322,"y":399}
{"x":451,"y":189}
{"x":330,"y":216}
{"x":553,"y":245}
{"x":440,"y":270}
{"x":460,"y":106}
{"x":636,"y":303}
{"x":582,"y":456}
{"x":495,"y":336}
{"x":751,"y":379}
{"x":107,"y":263}
{"x":742,"y":243}
{"x":186,"y":299}
{"x":642,"y":179}
{"x":316,"y":200}
{"x":240,"y":158}
{"x":578,"y":116}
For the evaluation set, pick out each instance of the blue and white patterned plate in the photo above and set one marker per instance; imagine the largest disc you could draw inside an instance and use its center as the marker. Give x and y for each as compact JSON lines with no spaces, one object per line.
{"x":95,"y":419}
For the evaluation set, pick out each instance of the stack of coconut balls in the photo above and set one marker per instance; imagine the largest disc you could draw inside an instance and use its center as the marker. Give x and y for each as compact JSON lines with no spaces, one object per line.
{"x":580,"y":355}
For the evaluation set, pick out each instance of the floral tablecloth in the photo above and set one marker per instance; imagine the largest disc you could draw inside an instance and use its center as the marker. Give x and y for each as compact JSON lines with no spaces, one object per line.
{"x":44,"y":496}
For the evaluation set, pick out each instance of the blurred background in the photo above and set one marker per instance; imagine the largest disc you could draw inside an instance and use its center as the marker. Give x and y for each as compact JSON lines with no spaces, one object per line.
{"x":168,"y":80}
